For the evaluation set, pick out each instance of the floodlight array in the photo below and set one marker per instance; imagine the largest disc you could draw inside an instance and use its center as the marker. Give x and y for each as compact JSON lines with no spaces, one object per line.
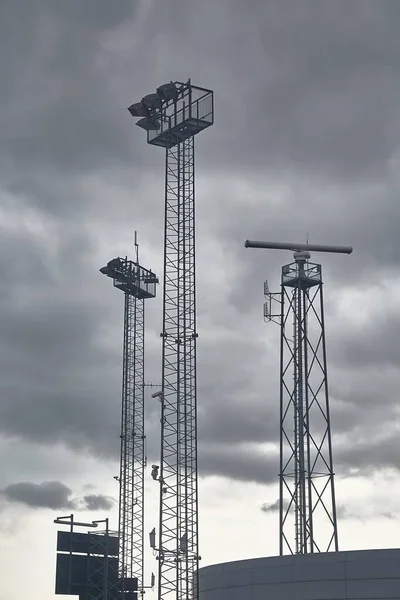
{"x":151,"y":106}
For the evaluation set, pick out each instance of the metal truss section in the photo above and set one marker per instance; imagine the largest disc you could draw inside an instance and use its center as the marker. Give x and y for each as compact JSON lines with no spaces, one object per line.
{"x":137,"y":284}
{"x":178,"y":542}
{"x":272,"y":305}
{"x":102,"y":571}
{"x":172,"y":116}
{"x":131,"y":501}
{"x":307,"y":495}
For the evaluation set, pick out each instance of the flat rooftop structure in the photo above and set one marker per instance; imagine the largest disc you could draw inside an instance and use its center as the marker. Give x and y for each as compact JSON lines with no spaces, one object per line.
{"x":350,"y":575}
{"x":130,"y":277}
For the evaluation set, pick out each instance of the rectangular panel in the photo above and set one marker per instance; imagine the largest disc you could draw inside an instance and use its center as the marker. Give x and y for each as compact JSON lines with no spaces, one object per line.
{"x":79,"y":543}
{"x":72,"y":542}
{"x":71,"y":574}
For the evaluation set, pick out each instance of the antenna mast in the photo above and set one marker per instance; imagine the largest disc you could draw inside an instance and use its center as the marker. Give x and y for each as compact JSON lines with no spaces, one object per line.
{"x":136,"y":248}
{"x":172,"y":117}
{"x":138,"y":284}
{"x":307,"y":505}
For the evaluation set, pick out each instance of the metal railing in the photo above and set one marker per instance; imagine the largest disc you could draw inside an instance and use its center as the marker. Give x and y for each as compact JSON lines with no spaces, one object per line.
{"x":198,"y":110}
{"x":292,"y":272}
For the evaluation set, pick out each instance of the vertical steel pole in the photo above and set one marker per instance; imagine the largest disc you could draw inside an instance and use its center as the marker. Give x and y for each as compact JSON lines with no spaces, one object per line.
{"x":178,"y":546}
{"x":307,"y":497}
{"x":335,"y":539}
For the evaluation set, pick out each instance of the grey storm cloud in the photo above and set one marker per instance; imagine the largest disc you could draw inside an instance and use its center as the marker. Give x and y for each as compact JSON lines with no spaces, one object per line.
{"x":305,"y":141}
{"x":370,"y":344}
{"x":98,"y":502}
{"x":299,"y":93}
{"x":274,"y":506}
{"x":362,"y":514}
{"x":52,"y":108}
{"x":244,"y":462}
{"x":54,"y":495}
{"x":342,"y":511}
{"x":51,"y":494}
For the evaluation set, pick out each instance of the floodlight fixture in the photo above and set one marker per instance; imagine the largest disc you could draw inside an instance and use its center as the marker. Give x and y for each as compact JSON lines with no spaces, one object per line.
{"x":147,"y":124}
{"x":138,"y":284}
{"x":138,"y":110}
{"x":167,"y":91}
{"x":154,"y":472}
{"x":175,"y":115}
{"x":152,"y":101}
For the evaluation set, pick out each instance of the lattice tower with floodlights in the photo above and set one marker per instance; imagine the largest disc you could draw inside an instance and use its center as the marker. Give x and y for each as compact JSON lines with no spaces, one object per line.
{"x":307,"y":505}
{"x":172,"y":117}
{"x":138,"y":285}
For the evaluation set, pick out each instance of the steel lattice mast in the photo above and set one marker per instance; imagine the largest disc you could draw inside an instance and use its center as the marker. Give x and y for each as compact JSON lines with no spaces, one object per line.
{"x":137,"y":284}
{"x":172,"y":117}
{"x":307,"y":505}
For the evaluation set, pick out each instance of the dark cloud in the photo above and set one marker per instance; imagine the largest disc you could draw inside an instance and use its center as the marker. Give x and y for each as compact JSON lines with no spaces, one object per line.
{"x":342,"y":511}
{"x":50,"y":494}
{"x":54,"y":495}
{"x":301,"y":95}
{"x":306,"y":141}
{"x":352,"y":347}
{"x":361,"y":513}
{"x":374,"y":449}
{"x":52,"y":118}
{"x":243,"y":462}
{"x":98,"y":502}
{"x":274,"y":506}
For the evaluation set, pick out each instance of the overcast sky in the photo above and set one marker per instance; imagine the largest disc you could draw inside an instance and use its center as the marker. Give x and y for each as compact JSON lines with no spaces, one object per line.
{"x":306,"y":142}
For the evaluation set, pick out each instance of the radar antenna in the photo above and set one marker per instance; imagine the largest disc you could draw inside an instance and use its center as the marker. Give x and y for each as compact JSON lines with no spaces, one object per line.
{"x":307,"y":505}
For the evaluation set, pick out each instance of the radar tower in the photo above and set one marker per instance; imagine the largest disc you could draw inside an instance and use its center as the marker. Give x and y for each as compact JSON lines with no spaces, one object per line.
{"x":307,"y":505}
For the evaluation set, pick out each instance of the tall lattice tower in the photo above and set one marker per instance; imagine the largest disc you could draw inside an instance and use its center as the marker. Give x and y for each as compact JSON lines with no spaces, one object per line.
{"x":172,"y":117}
{"x":307,"y":506}
{"x":138,"y":284}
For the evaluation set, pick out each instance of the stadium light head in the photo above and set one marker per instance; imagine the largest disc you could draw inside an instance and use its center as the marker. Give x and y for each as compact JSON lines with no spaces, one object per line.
{"x":137,"y":110}
{"x":152,"y":101}
{"x":167,"y":91}
{"x":147,"y":124}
